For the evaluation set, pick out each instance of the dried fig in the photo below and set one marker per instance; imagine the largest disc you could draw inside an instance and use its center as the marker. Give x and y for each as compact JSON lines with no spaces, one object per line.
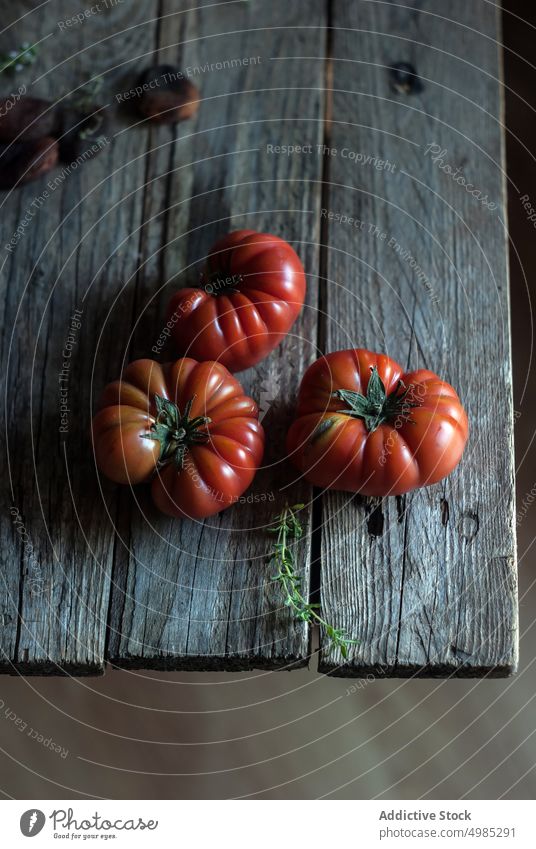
{"x":21,"y":162}
{"x":27,"y":119}
{"x":167,"y":97}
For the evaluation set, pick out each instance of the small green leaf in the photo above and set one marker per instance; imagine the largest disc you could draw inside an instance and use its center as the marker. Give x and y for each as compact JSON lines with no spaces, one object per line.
{"x":159,"y":403}
{"x":160,"y":433}
{"x":353,"y":399}
{"x":376,"y":393}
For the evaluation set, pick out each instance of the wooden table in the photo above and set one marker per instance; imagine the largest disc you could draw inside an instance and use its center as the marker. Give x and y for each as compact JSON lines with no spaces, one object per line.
{"x":401,"y":255}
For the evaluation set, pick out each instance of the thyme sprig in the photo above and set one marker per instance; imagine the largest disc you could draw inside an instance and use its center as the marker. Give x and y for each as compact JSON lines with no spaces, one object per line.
{"x":84,"y":98}
{"x":287,"y":528}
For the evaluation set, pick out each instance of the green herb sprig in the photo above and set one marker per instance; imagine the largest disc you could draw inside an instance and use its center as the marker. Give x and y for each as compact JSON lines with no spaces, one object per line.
{"x":287,"y":528}
{"x":84,"y":98}
{"x":16,"y":60}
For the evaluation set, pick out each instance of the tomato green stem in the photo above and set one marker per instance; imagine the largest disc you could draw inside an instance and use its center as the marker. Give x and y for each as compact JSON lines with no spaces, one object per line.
{"x":176,"y":431}
{"x":376,"y":407}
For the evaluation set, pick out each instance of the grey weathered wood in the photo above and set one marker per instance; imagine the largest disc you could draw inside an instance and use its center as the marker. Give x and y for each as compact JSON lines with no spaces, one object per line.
{"x":427,"y":582}
{"x":55,"y":595}
{"x":198,"y":595}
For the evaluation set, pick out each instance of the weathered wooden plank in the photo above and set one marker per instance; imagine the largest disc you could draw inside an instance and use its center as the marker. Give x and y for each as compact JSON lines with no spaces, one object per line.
{"x":73,"y":254}
{"x":198,"y":595}
{"x":426,"y":582}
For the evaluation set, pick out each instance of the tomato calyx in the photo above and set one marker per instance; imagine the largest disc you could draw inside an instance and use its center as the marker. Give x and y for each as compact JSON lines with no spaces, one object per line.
{"x":377,"y":407}
{"x":176,"y":431}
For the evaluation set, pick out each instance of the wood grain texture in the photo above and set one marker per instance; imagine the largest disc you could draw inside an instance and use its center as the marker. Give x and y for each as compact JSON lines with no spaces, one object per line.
{"x":90,"y":571}
{"x":426,"y":582}
{"x":198,"y":594}
{"x":73,"y":254}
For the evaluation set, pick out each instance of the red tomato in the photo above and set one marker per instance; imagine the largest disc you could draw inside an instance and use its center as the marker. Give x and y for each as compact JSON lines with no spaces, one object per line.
{"x":252,"y":292}
{"x":363,"y":425}
{"x":188,"y":427}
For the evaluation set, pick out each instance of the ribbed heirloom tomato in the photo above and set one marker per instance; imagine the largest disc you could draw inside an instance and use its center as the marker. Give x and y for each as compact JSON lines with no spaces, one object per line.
{"x":187,"y":427}
{"x":251,"y":294}
{"x":363,"y":425}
